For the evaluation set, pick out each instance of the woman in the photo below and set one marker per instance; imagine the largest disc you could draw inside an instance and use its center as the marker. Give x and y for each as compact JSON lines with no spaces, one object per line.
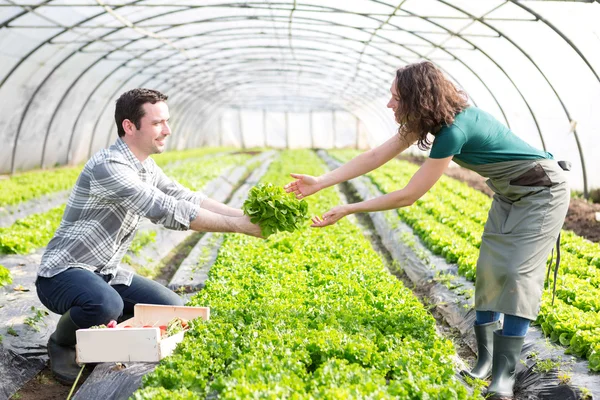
{"x":529,"y":206}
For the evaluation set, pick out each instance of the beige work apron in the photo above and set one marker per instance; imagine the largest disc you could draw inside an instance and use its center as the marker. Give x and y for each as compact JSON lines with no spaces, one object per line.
{"x":528,"y":210}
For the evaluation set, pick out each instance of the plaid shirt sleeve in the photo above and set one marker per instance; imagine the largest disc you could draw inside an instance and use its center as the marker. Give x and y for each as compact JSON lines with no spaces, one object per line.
{"x":175,"y":189}
{"x":118,"y":182}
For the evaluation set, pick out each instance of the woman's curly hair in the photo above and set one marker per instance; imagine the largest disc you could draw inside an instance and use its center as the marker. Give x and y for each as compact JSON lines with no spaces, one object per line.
{"x":428,"y":100}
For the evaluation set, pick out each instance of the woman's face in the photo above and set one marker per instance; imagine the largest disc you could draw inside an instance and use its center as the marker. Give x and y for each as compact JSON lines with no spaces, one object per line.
{"x":395,"y":99}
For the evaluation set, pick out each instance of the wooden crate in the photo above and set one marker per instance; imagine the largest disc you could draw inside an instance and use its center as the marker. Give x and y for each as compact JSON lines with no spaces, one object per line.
{"x":135,"y":344}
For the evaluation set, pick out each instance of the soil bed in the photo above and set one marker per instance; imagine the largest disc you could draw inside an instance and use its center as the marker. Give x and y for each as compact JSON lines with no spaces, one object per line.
{"x":44,"y":386}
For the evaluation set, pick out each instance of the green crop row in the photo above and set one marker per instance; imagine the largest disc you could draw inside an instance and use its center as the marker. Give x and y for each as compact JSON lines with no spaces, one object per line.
{"x":573,"y":265}
{"x":581,"y":248}
{"x":196,"y":173}
{"x":30,"y":233}
{"x":169,"y":157}
{"x":450,"y":224}
{"x":29,"y":185}
{"x":5,"y":276}
{"x":35,"y":231}
{"x":312,"y":314}
{"x":577,"y":329}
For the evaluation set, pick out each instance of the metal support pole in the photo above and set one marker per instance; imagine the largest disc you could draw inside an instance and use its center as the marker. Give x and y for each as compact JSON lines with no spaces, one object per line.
{"x":240,"y":127}
{"x":311,"y":130}
{"x":221,"y":130}
{"x":357,"y":145}
{"x":586,"y":192}
{"x":265,"y":144}
{"x":573,"y":129}
{"x":287,"y":131}
{"x":334,"y":130}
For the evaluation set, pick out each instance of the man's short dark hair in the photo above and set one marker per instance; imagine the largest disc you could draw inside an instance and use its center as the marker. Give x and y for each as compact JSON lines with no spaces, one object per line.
{"x":131,"y":106}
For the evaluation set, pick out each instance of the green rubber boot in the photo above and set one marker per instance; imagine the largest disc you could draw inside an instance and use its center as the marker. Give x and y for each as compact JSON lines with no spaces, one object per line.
{"x":507,"y":352}
{"x":484,"y":334}
{"x":61,"y":350}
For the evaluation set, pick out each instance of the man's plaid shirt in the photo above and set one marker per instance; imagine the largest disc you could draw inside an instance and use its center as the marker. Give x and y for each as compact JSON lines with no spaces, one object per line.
{"x":103,"y":212}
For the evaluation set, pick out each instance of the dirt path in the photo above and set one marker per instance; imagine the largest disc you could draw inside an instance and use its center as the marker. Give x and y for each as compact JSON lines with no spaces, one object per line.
{"x":44,"y":386}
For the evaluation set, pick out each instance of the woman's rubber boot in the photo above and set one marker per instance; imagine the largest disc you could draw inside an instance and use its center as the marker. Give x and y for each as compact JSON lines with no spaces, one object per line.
{"x":507,"y":352}
{"x":61,"y":350}
{"x":484,"y":334}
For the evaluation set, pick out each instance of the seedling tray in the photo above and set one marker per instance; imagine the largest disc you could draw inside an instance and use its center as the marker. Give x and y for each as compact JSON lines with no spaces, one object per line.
{"x":135,"y":344}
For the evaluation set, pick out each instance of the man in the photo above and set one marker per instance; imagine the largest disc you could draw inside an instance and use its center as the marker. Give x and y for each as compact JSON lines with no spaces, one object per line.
{"x":79,"y":276}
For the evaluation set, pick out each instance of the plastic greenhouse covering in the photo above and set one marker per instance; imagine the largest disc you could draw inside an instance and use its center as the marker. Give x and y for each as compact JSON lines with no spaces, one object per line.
{"x":283,"y":73}
{"x":382,"y":303}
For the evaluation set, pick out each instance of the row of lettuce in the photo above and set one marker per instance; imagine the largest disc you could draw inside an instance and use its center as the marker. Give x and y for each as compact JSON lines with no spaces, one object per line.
{"x":450,"y":219}
{"x":309,"y":314}
{"x":30,"y":185}
{"x":5,"y":276}
{"x":194,"y":168}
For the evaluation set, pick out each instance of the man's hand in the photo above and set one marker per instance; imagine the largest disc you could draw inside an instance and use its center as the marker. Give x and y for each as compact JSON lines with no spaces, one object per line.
{"x":330,"y":217}
{"x":303,"y":186}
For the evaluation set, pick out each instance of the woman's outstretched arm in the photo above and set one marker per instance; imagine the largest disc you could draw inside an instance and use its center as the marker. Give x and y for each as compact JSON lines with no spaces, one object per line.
{"x":423,"y":180}
{"x":305,"y":185}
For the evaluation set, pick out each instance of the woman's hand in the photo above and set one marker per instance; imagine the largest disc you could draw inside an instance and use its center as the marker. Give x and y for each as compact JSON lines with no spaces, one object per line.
{"x":303,"y":186}
{"x":330,"y":217}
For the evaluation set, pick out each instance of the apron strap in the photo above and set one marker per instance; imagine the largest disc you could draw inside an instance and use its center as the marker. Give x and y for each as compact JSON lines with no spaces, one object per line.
{"x":555,"y":267}
{"x":565,"y":166}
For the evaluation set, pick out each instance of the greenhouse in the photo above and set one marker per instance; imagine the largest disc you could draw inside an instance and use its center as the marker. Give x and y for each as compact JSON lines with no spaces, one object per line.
{"x":449,"y":173}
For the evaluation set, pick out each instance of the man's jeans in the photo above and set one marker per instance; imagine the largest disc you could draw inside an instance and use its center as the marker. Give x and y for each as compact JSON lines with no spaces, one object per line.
{"x":92,"y":301}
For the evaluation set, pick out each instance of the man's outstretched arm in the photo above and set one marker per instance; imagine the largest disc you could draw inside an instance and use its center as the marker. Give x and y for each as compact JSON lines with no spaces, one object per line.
{"x":175,"y":189}
{"x":116,"y":182}
{"x":208,"y":221}
{"x":220,"y":208}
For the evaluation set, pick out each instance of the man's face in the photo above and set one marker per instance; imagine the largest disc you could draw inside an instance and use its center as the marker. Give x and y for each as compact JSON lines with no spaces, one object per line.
{"x":154,"y":129}
{"x":395,"y":99}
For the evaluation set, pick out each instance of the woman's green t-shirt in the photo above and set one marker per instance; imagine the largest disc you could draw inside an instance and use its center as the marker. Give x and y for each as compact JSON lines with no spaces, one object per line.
{"x":477,"y":138}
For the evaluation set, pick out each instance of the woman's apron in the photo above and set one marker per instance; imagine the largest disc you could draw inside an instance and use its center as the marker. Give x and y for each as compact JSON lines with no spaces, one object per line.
{"x":528,"y":210}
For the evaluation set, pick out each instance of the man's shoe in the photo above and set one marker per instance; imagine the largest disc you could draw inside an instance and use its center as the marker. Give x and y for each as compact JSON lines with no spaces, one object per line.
{"x":61,"y":350}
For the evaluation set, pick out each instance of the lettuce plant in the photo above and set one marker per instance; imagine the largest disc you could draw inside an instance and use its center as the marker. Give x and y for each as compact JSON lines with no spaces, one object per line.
{"x":274,"y":210}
